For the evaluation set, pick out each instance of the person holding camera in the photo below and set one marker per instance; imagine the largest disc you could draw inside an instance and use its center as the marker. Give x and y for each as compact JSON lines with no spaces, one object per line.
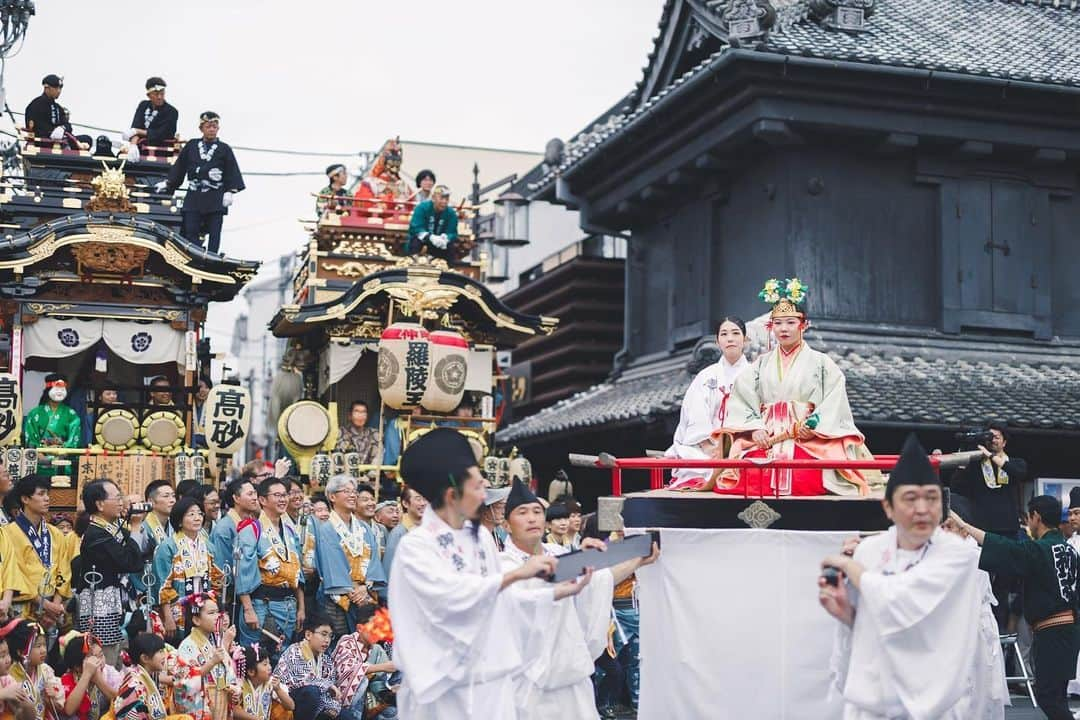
{"x":1048,"y":567}
{"x":993,"y":484}
{"x":908,"y":603}
{"x":107,"y":554}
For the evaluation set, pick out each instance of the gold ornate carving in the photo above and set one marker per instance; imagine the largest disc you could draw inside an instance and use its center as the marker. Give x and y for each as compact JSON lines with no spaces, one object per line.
{"x":161,"y":313}
{"x":42,"y":308}
{"x":109,"y":258}
{"x":425,"y":303}
{"x":361,"y":248}
{"x":368,"y":330}
{"x":110,"y":191}
{"x":411,"y":261}
{"x":353,"y":269}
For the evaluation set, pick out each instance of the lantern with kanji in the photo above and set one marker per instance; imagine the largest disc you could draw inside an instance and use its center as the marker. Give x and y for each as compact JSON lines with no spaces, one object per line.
{"x":228,"y":418}
{"x":404,"y":365}
{"x":449,"y":355}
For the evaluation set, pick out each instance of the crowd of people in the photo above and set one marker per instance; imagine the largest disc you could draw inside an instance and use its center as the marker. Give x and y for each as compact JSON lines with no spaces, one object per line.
{"x":260,"y":598}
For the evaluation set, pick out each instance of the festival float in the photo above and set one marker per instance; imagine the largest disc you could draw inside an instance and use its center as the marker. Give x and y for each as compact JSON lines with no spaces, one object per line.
{"x":410,"y":334}
{"x":99,"y":292}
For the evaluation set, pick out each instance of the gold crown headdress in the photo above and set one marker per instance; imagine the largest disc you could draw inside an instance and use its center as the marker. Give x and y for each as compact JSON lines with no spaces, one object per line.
{"x":786,"y":297}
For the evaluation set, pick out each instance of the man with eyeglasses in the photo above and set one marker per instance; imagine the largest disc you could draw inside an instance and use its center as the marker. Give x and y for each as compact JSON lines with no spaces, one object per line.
{"x":346,"y":558}
{"x":269,"y":574}
{"x":310,"y":674}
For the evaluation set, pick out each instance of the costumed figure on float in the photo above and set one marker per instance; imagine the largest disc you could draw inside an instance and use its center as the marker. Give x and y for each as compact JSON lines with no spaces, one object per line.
{"x":704,"y":407}
{"x":53,"y":423}
{"x":792,"y":403}
{"x":384,"y":181}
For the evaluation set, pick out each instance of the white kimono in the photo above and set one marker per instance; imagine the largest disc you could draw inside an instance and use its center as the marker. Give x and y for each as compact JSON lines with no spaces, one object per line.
{"x":990,"y":694}
{"x":913,"y":650}
{"x":1074,"y":685}
{"x":557,"y":683}
{"x":459,"y":642}
{"x":703,"y":409}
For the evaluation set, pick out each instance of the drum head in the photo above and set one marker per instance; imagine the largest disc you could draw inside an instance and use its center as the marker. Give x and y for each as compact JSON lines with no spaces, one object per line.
{"x":308,"y":425}
{"x":118,"y":431}
{"x":162,"y":432}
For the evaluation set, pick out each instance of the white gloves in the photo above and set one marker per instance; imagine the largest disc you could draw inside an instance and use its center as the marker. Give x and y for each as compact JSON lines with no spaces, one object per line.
{"x":226,"y":199}
{"x":439,"y":241}
{"x":128,"y":134}
{"x":161,"y":186}
{"x":57,"y":133}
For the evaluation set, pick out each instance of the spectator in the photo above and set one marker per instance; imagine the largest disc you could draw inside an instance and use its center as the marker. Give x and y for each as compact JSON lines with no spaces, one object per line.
{"x":425,"y":180}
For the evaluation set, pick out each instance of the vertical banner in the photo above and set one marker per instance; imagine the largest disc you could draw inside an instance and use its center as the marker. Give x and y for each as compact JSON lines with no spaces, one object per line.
{"x":191,"y":346}
{"x":16,"y":351}
{"x":10,"y":410}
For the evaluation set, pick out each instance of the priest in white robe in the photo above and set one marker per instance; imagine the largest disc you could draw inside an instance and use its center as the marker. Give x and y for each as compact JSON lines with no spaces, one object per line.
{"x":909,"y":603}
{"x":462,"y":633}
{"x":704,"y":407}
{"x":557,"y":682}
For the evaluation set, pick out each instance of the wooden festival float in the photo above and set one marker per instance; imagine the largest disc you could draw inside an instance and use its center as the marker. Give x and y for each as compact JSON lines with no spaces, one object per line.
{"x":97,"y":284}
{"x":408,"y":334}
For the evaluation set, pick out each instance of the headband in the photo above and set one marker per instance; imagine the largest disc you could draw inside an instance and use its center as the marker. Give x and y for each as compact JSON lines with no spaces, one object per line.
{"x":56,"y":383}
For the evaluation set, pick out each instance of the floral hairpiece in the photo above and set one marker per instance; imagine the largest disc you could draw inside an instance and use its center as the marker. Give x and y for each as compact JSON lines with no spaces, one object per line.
{"x":792,"y":289}
{"x":198,"y":600}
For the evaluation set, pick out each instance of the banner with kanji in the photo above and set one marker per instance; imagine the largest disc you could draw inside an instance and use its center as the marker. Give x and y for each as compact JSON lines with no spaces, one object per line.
{"x":228,"y":417}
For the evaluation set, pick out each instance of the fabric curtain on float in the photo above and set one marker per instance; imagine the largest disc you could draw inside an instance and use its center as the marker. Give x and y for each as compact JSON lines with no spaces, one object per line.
{"x":141,"y":343}
{"x":731,"y":626}
{"x":343,"y":358}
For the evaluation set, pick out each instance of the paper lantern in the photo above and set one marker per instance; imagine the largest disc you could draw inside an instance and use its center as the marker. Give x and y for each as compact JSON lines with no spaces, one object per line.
{"x":449,"y":362}
{"x":520,"y":468}
{"x":228,"y":417}
{"x":404,"y":365}
{"x":352,"y":464}
{"x":321,"y":466}
{"x":10,"y":410}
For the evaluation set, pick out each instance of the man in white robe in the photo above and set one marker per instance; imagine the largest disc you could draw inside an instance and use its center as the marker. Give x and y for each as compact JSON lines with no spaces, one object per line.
{"x":462,"y":634}
{"x":909,"y":605}
{"x":557,"y":683}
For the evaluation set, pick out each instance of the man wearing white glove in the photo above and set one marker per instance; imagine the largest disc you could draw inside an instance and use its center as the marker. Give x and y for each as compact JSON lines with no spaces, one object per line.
{"x":213,"y":177}
{"x":433,"y":228}
{"x":154,"y":124}
{"x":45,"y":117}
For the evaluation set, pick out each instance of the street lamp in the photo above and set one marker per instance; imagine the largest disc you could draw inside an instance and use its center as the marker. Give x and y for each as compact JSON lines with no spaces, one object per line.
{"x":511,"y":220}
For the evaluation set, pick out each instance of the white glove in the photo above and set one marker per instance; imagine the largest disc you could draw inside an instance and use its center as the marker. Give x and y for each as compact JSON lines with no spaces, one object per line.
{"x":439,"y":241}
{"x":128,"y":134}
{"x":57,"y":133}
{"x":226,"y":199}
{"x":161,"y":186}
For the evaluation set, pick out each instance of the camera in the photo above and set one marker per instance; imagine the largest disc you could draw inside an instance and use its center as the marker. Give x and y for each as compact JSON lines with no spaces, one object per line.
{"x":831,"y":575}
{"x":972,"y":438}
{"x":142,"y":508}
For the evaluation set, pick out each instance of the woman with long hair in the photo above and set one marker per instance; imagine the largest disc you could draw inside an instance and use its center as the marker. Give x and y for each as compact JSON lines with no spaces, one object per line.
{"x":203,"y":662}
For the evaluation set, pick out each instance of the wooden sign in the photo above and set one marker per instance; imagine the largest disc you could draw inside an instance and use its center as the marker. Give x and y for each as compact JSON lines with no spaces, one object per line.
{"x":10,"y":410}
{"x":228,"y":417}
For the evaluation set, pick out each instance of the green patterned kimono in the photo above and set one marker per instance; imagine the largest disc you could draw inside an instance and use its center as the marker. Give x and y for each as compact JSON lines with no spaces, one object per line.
{"x":43,"y":424}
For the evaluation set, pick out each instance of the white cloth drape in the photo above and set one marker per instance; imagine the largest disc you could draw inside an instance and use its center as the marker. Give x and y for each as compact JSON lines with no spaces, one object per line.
{"x":343,"y":358}
{"x":141,"y":343}
{"x":731,"y":626}
{"x":478,"y":377}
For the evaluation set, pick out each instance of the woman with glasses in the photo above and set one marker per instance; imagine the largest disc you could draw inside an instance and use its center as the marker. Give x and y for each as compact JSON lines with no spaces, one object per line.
{"x":108,"y":553}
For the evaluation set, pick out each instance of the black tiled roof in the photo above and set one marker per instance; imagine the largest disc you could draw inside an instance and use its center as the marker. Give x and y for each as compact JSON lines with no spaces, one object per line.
{"x":1036,"y":41}
{"x":927,"y":386}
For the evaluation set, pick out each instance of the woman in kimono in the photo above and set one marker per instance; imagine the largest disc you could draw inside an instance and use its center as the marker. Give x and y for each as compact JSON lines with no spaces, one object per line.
{"x":704,"y":407}
{"x":53,"y":423}
{"x":184,"y":563}
{"x":202,"y":670}
{"x":791,"y":403}
{"x":139,"y":697}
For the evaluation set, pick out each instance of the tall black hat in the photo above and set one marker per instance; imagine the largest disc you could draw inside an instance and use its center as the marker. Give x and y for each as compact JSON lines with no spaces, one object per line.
{"x":520,"y":494}
{"x":913,"y":468}
{"x":436,"y":461}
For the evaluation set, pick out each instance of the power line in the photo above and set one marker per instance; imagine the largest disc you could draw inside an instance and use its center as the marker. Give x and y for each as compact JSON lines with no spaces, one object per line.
{"x":274,"y":151}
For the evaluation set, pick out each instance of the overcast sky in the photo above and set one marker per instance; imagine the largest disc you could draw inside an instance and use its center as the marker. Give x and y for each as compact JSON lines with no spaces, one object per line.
{"x":336,"y":77}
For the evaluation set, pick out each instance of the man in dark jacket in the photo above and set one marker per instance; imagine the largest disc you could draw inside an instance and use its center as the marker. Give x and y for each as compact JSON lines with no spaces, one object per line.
{"x":212,"y":177}
{"x":994,"y":485}
{"x":1048,"y":568}
{"x":154,"y":123}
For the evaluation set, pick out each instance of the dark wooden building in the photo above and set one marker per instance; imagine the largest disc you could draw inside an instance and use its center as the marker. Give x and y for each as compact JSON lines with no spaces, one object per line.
{"x":583,"y":286}
{"x":916,"y":163}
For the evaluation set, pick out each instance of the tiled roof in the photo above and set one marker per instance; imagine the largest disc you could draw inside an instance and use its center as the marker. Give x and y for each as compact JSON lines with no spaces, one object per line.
{"x":925,"y":386}
{"x":1036,"y":41}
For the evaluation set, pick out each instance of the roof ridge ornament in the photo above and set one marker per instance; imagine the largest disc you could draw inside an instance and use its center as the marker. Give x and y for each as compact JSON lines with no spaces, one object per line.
{"x":747,"y":22}
{"x":844,"y":15}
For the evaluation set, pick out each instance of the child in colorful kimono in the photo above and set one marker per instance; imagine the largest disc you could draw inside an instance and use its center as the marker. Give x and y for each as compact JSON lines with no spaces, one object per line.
{"x":139,"y":697}
{"x":14,"y":700}
{"x":260,"y":692}
{"x":203,"y":674}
